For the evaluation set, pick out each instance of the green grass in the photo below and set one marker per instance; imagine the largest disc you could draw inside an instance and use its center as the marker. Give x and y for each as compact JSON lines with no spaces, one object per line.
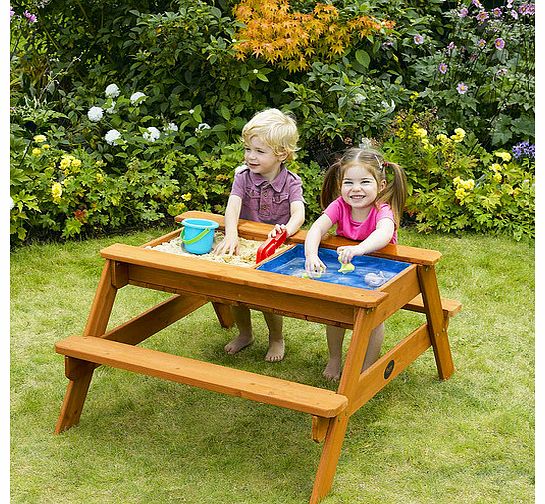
{"x":141,"y":440}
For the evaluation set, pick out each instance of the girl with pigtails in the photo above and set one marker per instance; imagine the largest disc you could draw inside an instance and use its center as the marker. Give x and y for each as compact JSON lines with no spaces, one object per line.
{"x":363,"y":195}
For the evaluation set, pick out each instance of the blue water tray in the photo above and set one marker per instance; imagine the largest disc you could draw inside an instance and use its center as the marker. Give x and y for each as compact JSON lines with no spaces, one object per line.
{"x":370,"y":273}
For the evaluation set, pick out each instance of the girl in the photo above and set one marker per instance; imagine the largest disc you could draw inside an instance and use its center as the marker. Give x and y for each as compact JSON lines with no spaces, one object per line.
{"x":358,"y":198}
{"x":264,"y":190}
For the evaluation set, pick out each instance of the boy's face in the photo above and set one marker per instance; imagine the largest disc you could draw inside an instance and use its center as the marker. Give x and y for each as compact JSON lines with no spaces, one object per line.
{"x":261,"y":159}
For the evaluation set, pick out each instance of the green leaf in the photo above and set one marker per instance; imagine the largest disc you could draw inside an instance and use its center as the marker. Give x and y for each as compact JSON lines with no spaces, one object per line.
{"x":363,"y":58}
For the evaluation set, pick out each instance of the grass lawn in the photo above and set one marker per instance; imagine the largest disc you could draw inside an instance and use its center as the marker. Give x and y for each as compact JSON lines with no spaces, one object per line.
{"x":142,"y":440}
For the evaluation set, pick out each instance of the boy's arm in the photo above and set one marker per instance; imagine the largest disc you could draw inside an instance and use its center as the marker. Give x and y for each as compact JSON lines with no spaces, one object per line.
{"x":297,"y":217}
{"x":378,"y":239}
{"x":229,"y":244}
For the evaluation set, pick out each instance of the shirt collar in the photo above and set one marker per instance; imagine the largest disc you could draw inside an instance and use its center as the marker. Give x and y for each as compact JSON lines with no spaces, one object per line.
{"x":277,"y":184}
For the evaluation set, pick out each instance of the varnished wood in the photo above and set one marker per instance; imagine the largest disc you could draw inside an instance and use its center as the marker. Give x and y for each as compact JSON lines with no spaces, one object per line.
{"x":224,"y":314}
{"x":319,"y":428}
{"x":265,"y":389}
{"x":437,"y":326}
{"x":196,"y":282}
{"x":76,"y":391}
{"x":385,"y":369}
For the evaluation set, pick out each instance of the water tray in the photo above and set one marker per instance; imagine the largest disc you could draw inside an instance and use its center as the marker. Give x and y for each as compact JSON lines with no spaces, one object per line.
{"x":292,"y":263}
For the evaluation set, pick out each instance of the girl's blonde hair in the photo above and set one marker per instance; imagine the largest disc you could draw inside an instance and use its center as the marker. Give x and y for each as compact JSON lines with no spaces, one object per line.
{"x":395,"y":192}
{"x":277,"y":129}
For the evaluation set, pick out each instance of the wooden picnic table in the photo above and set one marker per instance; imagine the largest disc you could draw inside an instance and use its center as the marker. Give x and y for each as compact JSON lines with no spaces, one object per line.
{"x":224,"y":285}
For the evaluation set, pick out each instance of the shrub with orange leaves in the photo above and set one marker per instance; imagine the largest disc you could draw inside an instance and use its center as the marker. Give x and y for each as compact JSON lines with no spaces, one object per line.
{"x":293,"y":39}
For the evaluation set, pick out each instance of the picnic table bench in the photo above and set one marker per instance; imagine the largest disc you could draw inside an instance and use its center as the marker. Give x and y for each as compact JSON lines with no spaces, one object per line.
{"x":193,"y":286}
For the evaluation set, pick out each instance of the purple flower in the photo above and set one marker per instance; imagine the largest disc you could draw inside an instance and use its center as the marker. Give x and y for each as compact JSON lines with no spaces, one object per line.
{"x":477,"y":4}
{"x":482,"y":16}
{"x":31,"y":18}
{"x":497,"y":12}
{"x":463,"y":12}
{"x":499,"y":43}
{"x":11,"y":12}
{"x":514,"y":14}
{"x":524,"y":149}
{"x":451,"y":47}
{"x":527,"y":9}
{"x":461,"y":88}
{"x":418,"y":39}
{"x":443,"y":68}
{"x":481,"y":43}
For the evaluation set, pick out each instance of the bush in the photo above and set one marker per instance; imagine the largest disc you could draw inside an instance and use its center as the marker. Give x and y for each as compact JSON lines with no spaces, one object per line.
{"x":455,"y":184}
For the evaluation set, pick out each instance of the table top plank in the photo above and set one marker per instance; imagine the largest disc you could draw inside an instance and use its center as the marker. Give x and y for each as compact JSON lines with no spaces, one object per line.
{"x":200,"y":268}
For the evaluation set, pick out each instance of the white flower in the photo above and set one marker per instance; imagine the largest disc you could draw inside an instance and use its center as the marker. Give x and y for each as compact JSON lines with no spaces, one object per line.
{"x":112,"y":91}
{"x":112,"y":136}
{"x":11,"y":203}
{"x":191,"y":111}
{"x":138,"y":96}
{"x":152,"y":134}
{"x":201,"y":127}
{"x":111,"y":110}
{"x":359,"y":98}
{"x":95,"y":114}
{"x":171,"y":127}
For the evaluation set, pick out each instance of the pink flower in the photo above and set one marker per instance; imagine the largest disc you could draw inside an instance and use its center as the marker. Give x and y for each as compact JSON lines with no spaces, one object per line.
{"x":462,"y":88}
{"x":496,"y":12}
{"x":482,"y":16}
{"x":443,"y":68}
{"x":463,"y":12}
{"x":499,"y":43}
{"x":30,"y":17}
{"x":418,"y":39}
{"x":481,"y":43}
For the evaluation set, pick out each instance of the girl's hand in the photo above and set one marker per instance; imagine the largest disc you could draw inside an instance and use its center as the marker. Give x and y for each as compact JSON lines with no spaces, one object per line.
{"x":346,"y":254}
{"x":278,"y":229}
{"x":229,"y":245}
{"x":314,"y":266}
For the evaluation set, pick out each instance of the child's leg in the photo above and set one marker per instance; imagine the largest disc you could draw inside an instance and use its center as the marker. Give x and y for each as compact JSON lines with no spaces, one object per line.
{"x":276,"y":340}
{"x":244,"y":325}
{"x":375,"y":344}
{"x":335,"y":337}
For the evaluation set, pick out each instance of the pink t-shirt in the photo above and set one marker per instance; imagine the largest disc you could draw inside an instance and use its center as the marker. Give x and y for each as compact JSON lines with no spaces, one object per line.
{"x":340,"y":213}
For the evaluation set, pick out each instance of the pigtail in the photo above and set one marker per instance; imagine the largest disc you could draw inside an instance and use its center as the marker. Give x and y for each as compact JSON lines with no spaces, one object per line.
{"x":331,"y":185}
{"x":395,"y":192}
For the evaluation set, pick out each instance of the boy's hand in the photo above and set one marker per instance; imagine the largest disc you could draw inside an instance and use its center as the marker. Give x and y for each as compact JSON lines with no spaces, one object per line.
{"x":314,"y":266}
{"x":346,"y":254}
{"x":278,"y":229}
{"x":227,"y":246}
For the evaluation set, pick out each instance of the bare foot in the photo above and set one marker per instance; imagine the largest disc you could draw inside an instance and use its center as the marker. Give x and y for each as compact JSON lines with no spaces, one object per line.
{"x":333,"y":370}
{"x":238,"y":343}
{"x":276,"y":351}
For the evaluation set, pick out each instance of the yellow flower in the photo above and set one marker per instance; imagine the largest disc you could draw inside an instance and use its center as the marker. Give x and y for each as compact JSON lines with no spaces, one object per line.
{"x":100,"y":178}
{"x":503,"y":155}
{"x":461,"y":193}
{"x":495,"y":167}
{"x":442,"y":138}
{"x":46,"y":146}
{"x":40,"y":138}
{"x":65,"y":163}
{"x":76,"y":163}
{"x":459,"y":135}
{"x":414,"y":96}
{"x":56,"y":191}
{"x":36,"y":151}
{"x":497,"y":177}
{"x":186,"y":196}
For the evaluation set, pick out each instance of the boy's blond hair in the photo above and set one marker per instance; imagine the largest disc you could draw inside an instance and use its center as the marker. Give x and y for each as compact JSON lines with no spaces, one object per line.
{"x":276,"y":129}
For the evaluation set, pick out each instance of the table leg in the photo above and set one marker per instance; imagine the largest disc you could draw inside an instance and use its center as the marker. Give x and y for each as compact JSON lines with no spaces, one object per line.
{"x":97,"y":323}
{"x":364,"y":323}
{"x":437,"y":325}
{"x":224,"y":314}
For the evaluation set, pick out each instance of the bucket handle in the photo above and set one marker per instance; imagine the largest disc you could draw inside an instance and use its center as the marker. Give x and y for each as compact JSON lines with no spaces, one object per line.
{"x":196,"y":238}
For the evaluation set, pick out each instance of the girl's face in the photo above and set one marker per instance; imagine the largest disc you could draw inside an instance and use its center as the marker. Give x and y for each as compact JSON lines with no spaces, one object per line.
{"x":359,"y":189}
{"x":261,"y":159}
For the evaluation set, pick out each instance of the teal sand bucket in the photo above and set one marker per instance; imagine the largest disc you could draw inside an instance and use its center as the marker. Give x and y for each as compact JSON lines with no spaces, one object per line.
{"x":198,"y":235}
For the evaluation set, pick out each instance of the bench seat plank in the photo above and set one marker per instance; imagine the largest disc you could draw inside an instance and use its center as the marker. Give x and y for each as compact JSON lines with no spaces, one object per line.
{"x":451,"y":307}
{"x":266,"y":389}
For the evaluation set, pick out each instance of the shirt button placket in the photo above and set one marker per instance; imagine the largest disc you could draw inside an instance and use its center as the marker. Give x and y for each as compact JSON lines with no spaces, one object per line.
{"x":265,"y":203}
